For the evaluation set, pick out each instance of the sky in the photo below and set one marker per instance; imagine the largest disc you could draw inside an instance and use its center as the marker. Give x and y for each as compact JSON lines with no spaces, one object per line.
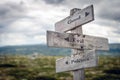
{"x":25,"y":22}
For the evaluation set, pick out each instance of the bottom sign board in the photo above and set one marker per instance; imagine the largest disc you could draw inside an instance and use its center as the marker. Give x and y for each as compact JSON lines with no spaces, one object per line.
{"x":74,"y":62}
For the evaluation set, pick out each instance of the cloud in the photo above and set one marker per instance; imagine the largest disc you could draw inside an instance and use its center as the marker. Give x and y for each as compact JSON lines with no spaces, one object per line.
{"x":54,"y":1}
{"x":20,"y":39}
{"x":10,"y":12}
{"x":26,"y":21}
{"x":109,"y":10}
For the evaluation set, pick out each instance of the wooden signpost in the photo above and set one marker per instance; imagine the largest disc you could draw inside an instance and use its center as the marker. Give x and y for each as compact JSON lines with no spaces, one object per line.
{"x":83,"y":46}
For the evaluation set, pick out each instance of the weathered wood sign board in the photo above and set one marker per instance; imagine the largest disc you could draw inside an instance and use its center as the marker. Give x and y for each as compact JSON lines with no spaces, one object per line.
{"x":76,"y":41}
{"x":86,"y":60}
{"x":79,"y":18}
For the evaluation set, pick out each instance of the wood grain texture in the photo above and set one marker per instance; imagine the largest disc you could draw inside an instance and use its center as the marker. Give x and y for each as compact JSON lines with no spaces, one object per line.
{"x":78,"y":18}
{"x":79,"y":74}
{"x":76,"y":41}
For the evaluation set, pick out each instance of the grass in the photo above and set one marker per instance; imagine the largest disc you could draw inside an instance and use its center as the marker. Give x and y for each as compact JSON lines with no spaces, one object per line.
{"x":43,"y":68}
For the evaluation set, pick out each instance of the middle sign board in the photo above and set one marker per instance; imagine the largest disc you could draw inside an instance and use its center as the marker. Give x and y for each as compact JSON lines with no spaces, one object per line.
{"x":76,"y":41}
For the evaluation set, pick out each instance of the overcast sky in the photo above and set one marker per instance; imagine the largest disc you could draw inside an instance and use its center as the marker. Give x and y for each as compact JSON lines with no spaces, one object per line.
{"x":26,"y":21}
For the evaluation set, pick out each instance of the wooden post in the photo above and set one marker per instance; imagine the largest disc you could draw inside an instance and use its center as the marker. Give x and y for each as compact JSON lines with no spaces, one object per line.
{"x":77,"y":74}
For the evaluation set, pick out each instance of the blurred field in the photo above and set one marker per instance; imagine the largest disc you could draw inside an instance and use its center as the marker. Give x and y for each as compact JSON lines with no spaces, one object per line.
{"x":43,"y":68}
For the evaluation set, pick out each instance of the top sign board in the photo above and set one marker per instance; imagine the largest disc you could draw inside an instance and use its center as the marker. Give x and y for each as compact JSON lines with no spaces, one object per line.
{"x":78,"y":18}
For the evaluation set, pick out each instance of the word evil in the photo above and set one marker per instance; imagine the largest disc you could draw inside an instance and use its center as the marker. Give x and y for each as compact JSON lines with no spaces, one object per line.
{"x":76,"y":41}
{"x":78,"y":18}
{"x":84,"y":60}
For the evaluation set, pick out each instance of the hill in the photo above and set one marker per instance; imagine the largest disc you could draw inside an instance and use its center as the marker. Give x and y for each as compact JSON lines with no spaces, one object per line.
{"x":44,"y":50}
{"x":30,"y":49}
{"x":114,"y":50}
